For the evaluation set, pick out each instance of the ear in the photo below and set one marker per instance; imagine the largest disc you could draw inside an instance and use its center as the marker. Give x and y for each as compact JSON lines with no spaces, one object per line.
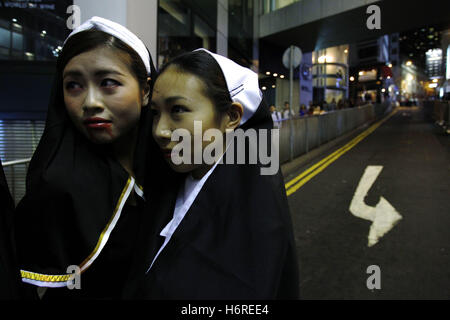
{"x":235,"y":114}
{"x":146,"y":92}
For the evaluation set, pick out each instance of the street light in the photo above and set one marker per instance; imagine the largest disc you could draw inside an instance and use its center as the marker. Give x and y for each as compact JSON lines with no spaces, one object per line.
{"x":409,"y":62}
{"x":352,"y":78}
{"x":275,"y":74}
{"x":268,"y":73}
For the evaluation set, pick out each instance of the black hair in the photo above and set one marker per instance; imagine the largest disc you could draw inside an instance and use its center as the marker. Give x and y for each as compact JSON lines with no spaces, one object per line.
{"x":204,"y":66}
{"x":91,"y":39}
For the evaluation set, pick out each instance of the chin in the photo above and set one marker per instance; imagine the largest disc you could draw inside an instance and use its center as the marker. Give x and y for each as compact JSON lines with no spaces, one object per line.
{"x":99,"y":138}
{"x":180,"y":168}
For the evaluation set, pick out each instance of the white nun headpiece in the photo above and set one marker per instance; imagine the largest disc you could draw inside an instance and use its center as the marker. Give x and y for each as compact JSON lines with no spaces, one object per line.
{"x":242,"y":84}
{"x":118,"y":31}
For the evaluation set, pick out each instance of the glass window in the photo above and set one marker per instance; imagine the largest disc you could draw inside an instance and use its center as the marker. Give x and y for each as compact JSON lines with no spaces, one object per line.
{"x":21,"y":26}
{"x":272,"y":5}
{"x":182,"y":28}
{"x":17,"y":41}
{"x":5,"y":38}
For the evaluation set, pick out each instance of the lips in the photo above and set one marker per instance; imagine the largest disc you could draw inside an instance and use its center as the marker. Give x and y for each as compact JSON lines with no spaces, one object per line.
{"x":167,"y":153}
{"x":97,"y":123}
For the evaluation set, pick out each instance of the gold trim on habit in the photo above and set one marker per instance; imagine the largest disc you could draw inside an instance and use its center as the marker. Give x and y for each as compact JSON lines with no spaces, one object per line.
{"x":107,"y":226}
{"x":44,"y":277}
{"x":64,"y":278}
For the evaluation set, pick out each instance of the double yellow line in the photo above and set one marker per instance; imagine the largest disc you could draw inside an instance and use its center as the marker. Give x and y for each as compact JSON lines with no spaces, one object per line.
{"x":296,"y":183}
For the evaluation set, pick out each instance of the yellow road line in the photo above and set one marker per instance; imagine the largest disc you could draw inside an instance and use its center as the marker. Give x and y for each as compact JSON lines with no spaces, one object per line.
{"x":296,"y":183}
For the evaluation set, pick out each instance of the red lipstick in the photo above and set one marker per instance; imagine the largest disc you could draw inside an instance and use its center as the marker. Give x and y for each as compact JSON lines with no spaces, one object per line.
{"x":167,"y":153}
{"x":97,"y":123}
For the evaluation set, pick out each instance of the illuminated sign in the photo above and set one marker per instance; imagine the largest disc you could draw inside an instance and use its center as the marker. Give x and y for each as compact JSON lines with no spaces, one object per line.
{"x":27,"y":4}
{"x":368,"y":75}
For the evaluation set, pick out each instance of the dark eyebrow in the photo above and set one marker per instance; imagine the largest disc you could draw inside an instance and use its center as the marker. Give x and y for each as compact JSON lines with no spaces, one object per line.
{"x":72,"y":73}
{"x":98,"y":73}
{"x":170,"y":100}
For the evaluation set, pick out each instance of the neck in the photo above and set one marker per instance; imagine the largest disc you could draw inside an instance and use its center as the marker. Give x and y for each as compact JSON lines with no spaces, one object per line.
{"x":123,"y":149}
{"x":201,"y":171}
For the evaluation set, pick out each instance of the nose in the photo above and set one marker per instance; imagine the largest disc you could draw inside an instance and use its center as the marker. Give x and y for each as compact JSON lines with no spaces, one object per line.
{"x":93,"y":102}
{"x":162,"y":129}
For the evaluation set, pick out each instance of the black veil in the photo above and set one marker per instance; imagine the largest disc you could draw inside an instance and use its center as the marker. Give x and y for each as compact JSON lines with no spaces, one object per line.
{"x":74,"y":193}
{"x":235,"y":242}
{"x":9,"y":275}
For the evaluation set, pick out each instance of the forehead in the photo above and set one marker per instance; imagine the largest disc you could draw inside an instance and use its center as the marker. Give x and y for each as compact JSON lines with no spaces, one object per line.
{"x":175,"y":82}
{"x":100,"y":58}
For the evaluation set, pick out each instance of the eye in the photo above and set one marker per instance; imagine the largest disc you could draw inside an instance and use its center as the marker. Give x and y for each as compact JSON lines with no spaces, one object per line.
{"x":72,"y":85}
{"x":154,"y":112}
{"x":110,"y":83}
{"x":179,"y":109}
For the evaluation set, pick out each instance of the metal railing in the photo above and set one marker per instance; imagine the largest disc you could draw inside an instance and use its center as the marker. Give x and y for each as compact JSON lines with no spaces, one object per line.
{"x":312,"y":131}
{"x":15,"y":172}
{"x":440,"y":113}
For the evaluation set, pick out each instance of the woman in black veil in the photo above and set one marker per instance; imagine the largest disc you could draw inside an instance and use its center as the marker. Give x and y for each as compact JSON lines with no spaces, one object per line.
{"x":223,"y":229}
{"x":77,"y":222}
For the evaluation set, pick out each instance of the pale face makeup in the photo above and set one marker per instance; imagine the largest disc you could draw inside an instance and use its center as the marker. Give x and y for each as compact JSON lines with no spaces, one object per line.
{"x":101,"y":94}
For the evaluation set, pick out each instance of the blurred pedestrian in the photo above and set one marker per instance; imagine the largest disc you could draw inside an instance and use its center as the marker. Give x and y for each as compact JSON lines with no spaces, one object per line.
{"x":276,"y":116}
{"x":332,"y":105}
{"x":287,"y":114}
{"x":302,"y":110}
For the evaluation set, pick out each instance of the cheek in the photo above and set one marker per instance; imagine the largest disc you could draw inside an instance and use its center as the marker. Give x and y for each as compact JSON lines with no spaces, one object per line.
{"x":73,"y":107}
{"x":126,"y":109}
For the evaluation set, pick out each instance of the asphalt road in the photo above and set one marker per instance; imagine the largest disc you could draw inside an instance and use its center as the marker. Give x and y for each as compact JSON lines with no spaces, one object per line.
{"x":414,"y":256}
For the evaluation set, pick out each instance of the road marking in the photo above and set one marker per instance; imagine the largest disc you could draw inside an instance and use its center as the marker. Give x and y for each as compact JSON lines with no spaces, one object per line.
{"x":296,"y":183}
{"x":383,"y":216}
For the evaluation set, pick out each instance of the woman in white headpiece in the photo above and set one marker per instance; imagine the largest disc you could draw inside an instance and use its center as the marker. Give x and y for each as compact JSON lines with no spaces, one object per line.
{"x":224,"y":228}
{"x":75,"y":228}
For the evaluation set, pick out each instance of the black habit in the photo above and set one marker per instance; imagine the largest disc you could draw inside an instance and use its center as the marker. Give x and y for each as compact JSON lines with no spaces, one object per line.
{"x":235,"y":242}
{"x":9,"y":273}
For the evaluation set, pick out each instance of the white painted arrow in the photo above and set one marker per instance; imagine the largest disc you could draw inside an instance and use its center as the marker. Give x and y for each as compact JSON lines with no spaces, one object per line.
{"x":383,"y":215}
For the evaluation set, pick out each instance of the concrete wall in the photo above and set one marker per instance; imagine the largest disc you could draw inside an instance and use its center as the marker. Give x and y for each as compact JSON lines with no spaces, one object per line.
{"x":303,"y":12}
{"x":222,"y":27}
{"x":140,"y":16}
